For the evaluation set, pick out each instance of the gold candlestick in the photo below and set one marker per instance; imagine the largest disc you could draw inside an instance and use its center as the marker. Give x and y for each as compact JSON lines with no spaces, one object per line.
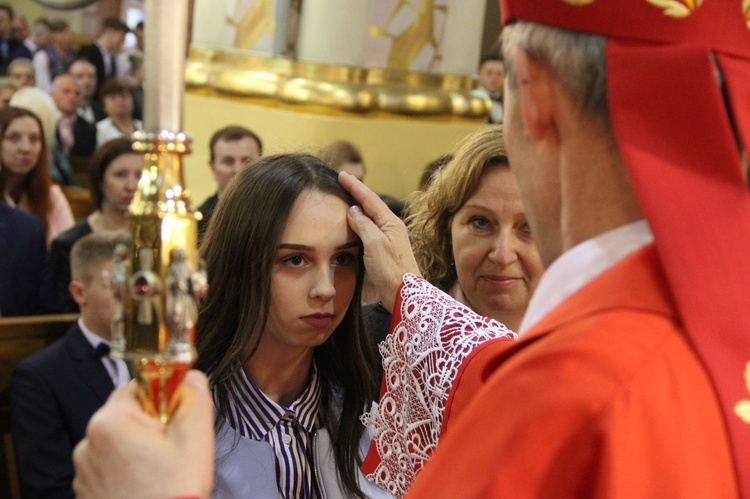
{"x":159,"y":284}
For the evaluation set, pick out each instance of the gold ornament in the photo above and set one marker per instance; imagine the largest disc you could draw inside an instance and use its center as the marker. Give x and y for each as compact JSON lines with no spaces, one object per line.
{"x":742,"y":408}
{"x":676,"y":8}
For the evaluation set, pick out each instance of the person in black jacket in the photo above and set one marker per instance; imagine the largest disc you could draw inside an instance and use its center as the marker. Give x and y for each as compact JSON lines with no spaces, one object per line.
{"x":103,"y":52}
{"x":25,"y":276}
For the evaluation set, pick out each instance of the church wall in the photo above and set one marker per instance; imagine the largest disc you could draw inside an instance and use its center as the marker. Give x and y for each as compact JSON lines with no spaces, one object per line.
{"x":395,"y":149}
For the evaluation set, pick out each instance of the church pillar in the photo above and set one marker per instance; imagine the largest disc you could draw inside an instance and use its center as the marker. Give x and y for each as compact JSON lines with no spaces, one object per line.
{"x":334,"y":31}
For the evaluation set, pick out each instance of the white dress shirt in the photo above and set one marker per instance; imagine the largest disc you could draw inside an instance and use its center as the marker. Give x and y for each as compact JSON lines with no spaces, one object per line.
{"x":580,"y":265}
{"x":116,"y":368}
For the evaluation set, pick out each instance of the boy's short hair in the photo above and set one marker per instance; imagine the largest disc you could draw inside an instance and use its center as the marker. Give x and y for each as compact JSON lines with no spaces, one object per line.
{"x":115,"y":24}
{"x":92,"y":250}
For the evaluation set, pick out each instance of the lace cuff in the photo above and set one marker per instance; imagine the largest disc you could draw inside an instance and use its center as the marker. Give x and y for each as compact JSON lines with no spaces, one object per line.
{"x":432,"y":336}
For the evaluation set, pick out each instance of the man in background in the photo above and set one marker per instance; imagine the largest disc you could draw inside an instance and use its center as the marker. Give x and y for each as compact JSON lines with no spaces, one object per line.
{"x":76,"y":135}
{"x":21,"y":71}
{"x":491,"y":77}
{"x":231,"y":149}
{"x":38,"y":39}
{"x":85,"y":73}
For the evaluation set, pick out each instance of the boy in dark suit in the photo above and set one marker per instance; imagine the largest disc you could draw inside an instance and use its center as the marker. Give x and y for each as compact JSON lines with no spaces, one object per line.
{"x":103,"y":52}
{"x":55,"y":392}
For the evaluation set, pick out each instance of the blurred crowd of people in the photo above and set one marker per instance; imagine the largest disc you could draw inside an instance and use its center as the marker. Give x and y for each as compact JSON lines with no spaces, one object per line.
{"x":96,"y":89}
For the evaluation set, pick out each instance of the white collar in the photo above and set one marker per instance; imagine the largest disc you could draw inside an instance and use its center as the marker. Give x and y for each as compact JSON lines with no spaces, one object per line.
{"x":580,"y":265}
{"x":91,"y":336}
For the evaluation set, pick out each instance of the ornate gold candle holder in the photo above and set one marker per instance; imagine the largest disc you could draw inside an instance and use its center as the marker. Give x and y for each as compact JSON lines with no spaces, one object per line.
{"x":159,"y":280}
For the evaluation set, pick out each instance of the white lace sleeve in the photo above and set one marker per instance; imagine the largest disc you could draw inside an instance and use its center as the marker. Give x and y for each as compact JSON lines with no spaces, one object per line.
{"x":421,"y":359}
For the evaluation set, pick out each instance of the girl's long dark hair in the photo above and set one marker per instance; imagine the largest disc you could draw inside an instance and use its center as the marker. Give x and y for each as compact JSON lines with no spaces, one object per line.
{"x":239,"y":248}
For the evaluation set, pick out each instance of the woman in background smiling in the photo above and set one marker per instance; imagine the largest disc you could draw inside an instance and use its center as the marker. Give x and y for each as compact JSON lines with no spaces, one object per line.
{"x":470,"y":235}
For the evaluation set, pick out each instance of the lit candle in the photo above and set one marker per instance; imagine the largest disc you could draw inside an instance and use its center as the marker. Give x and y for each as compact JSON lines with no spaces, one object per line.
{"x":164,"y":67}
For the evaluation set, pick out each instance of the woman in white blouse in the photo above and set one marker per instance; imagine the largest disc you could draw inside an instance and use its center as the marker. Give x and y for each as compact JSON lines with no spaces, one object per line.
{"x":117,"y":97}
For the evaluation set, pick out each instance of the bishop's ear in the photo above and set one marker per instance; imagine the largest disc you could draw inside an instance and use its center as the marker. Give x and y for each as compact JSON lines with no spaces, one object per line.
{"x":536,"y":93}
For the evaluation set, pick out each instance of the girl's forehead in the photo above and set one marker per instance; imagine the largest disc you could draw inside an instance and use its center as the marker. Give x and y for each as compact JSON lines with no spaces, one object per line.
{"x":320,"y":218}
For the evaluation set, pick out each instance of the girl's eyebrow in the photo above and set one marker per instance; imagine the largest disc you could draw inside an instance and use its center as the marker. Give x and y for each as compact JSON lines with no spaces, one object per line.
{"x":298,"y":247}
{"x":303,"y":247}
{"x":352,"y":244}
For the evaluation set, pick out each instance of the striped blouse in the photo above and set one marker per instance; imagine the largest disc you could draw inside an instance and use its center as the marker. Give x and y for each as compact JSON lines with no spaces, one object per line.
{"x":288,"y":430}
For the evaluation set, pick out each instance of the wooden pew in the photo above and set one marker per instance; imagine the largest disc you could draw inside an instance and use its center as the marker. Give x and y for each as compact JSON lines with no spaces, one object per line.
{"x":79,"y":200}
{"x":80,"y":166}
{"x":19,"y":338}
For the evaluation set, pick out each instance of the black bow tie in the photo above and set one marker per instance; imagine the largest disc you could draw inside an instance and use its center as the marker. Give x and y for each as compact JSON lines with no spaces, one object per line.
{"x":101,"y":350}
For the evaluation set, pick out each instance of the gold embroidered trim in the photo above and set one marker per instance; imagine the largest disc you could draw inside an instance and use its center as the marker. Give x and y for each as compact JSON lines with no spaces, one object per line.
{"x":676,"y":8}
{"x":579,"y":3}
{"x":742,"y":408}
{"x":746,"y":12}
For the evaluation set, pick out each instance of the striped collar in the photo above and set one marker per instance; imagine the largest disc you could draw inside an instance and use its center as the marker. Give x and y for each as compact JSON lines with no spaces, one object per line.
{"x":252,"y":414}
